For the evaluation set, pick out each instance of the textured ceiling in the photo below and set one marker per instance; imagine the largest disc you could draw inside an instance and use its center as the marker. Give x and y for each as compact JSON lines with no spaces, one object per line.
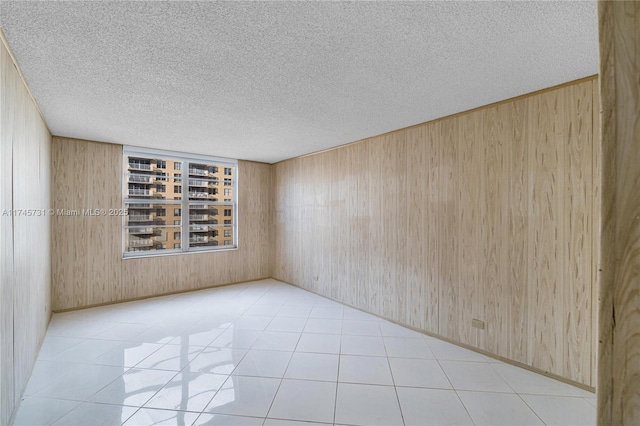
{"x":267,"y":81}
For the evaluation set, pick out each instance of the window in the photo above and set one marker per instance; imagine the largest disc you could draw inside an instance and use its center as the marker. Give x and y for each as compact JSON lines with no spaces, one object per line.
{"x":173,"y":215}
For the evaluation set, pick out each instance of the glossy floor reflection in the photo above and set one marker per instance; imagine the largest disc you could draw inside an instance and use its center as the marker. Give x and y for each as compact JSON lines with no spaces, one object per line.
{"x":267,"y":353}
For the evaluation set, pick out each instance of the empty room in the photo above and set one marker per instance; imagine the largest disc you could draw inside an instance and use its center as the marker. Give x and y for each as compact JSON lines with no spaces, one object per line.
{"x":319,"y":213}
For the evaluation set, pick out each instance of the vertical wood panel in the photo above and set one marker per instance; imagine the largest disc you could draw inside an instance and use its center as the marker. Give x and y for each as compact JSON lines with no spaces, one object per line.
{"x":517,"y":247}
{"x":470,"y":167}
{"x":390,"y":226}
{"x":483,"y":215}
{"x":619,"y":352}
{"x":578,"y":167}
{"x":596,"y":236}
{"x":417,"y":301}
{"x":434,"y":284}
{"x":351,"y":240}
{"x":447,"y":223}
{"x":359,"y":256}
{"x":545,"y":231}
{"x":496,"y":294}
{"x":7,"y":281}
{"x":376,"y":282}
{"x":25,"y":247}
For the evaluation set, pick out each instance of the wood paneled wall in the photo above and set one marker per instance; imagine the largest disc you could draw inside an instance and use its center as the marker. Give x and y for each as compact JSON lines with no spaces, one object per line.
{"x":484,"y":215}
{"x":619,"y":333}
{"x":25,"y":240}
{"x":88,"y":268}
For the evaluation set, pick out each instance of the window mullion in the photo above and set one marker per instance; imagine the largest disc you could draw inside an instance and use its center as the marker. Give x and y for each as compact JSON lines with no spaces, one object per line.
{"x":184,"y":217}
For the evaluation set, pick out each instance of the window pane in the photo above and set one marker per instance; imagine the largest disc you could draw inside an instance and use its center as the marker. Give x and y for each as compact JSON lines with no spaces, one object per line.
{"x":149,"y":178}
{"x":203,"y":225}
{"x":204,"y":181}
{"x":150,"y":238}
{"x":150,"y":226}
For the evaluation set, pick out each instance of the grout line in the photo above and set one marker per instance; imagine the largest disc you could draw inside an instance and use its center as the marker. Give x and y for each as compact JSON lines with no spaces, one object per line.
{"x":456,"y":391}
{"x":335,"y":404}
{"x":393,"y":380}
{"x":531,"y":408}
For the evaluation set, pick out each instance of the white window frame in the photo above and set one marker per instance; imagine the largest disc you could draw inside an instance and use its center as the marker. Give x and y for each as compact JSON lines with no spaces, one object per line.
{"x":186,"y":159}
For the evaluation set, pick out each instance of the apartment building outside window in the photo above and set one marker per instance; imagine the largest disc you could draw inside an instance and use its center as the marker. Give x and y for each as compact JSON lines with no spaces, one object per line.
{"x":172,"y":213}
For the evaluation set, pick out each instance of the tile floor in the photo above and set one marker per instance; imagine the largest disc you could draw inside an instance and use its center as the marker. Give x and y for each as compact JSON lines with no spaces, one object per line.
{"x":267,"y":353}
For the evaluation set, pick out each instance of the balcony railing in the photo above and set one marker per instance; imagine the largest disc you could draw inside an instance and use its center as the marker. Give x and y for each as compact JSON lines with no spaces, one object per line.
{"x":139,"y":166}
{"x":198,"y":239}
{"x":139,"y":191}
{"x":199,"y":194}
{"x":147,"y":230}
{"x":197,"y":182}
{"x":198,"y":217}
{"x":140,"y":179}
{"x":140,"y":206}
{"x":198,"y":228}
{"x":140,"y":218}
{"x":199,"y":172}
{"x":141,"y":243}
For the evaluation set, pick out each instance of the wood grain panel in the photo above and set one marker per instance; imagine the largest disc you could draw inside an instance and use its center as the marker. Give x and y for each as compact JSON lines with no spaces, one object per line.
{"x":577,"y":228}
{"x":596,"y":236}
{"x":390,"y":220}
{"x":470,"y":168}
{"x":433,"y":241}
{"x":483,"y":215}
{"x":619,"y":352}
{"x":376,"y":230}
{"x":496,"y":131}
{"x":361,"y":222}
{"x":25,"y":227}
{"x":517,"y":247}
{"x":88,"y":268}
{"x":7,"y":281}
{"x":545,"y":237}
{"x":447,"y":225}
{"x":417,"y":302}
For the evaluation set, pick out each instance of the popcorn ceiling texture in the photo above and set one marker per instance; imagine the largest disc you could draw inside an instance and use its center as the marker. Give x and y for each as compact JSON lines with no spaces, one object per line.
{"x":267,"y":81}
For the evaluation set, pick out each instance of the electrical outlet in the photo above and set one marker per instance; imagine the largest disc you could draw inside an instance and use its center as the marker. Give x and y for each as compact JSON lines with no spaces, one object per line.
{"x":477,"y":324}
{"x":315,"y":278}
